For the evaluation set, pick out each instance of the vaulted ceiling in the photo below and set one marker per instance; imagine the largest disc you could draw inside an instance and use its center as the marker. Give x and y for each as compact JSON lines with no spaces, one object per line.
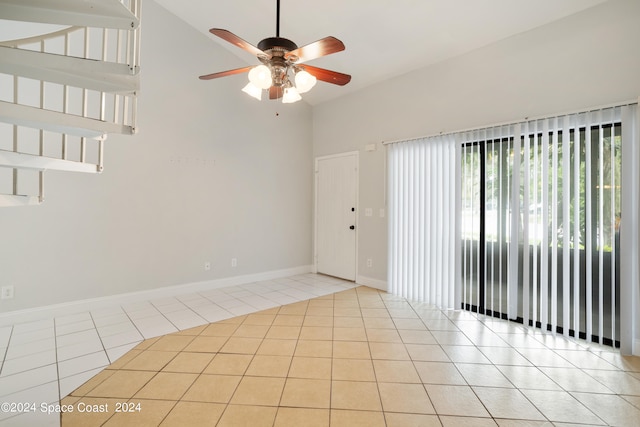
{"x":383,"y":38}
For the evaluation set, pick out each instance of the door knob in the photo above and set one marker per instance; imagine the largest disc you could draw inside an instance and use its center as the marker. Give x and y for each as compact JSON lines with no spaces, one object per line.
{"x":352,"y":227}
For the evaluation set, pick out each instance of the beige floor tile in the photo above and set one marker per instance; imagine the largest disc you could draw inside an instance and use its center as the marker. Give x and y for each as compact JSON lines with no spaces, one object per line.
{"x":375,"y":312}
{"x":347,"y":311}
{"x":151,"y":413}
{"x":212,"y":388}
{"x":229,"y":364}
{"x":124,"y":359}
{"x":395,"y":371}
{"x":483,"y":375}
{"x":81,"y":418}
{"x":411,"y":420}
{"x":319,"y":311}
{"x":269,"y":366}
{"x":288,"y":320}
{"x":612,"y":409}
{"x":299,"y":309}
{"x":277,"y":347}
{"x":316,"y":333}
{"x":348,"y":322}
{"x":233,"y":320}
{"x":260,"y":319}
{"x":528,"y":377}
{"x":193,"y":414}
{"x":310,"y":367}
{"x":306,"y":393}
{"x":297,"y":417}
{"x":314,"y":348}
{"x":320,"y":302}
{"x":504,"y":356}
{"x":618,"y":381}
{"x":355,"y":395}
{"x":166,"y":386}
{"x":258,"y":391}
{"x":411,"y":324}
{"x":560,"y":406}
{"x":171,"y":343}
{"x":465,"y":354}
{"x":241,"y":345}
{"x":272,"y":310}
{"x":93,"y":383}
{"x":351,"y":350}
{"x":219,"y":330}
{"x":379,"y":323}
{"x":575,"y":380}
{"x":206,"y":344}
{"x":122,"y":384}
{"x":146,"y":343}
{"x":388,"y":351}
{"x":427,"y":353}
{"x":192,"y":331}
{"x":349,"y":334}
{"x":412,"y":336}
{"x":439,"y":373}
{"x":325,"y":321}
{"x":150,"y":360}
{"x":247,"y":416}
{"x":448,"y":421}
{"x":408,"y":398}
{"x":508,"y":403}
{"x":383,"y":335}
{"x":251,"y":331}
{"x":283,"y":332}
{"x":455,"y":400}
{"x":342,"y":418}
{"x":353,"y":370}
{"x":189,"y":362}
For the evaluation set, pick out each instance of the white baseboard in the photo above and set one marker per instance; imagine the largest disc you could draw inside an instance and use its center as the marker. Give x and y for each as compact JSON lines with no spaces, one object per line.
{"x":372,"y":283}
{"x":73,"y":307}
{"x":636,"y":347}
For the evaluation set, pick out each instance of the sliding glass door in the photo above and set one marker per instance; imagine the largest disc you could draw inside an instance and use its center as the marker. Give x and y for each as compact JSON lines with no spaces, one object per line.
{"x":540,"y":220}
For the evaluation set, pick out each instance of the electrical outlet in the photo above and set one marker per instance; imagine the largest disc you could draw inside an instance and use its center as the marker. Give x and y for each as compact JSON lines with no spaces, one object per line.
{"x":234,"y":262}
{"x":369,"y":262}
{"x":7,"y":292}
{"x":207,"y":266}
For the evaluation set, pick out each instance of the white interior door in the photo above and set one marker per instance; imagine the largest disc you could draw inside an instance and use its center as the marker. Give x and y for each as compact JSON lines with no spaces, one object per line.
{"x":336,"y":205}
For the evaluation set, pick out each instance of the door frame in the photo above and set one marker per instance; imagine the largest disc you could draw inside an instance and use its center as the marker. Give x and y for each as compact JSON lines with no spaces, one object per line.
{"x":315,"y":205}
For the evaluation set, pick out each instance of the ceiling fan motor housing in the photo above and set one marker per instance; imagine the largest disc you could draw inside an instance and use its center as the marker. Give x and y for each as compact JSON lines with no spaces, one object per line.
{"x":277,"y":42}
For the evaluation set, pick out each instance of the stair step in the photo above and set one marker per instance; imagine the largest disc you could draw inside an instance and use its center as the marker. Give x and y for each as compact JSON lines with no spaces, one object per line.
{"x":54,"y":121}
{"x":67,"y":70}
{"x":7,"y":200}
{"x":86,"y":13}
{"x":32,"y":161}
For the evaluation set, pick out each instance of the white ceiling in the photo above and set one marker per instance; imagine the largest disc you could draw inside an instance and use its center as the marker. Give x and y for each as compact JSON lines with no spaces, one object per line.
{"x":383,"y":38}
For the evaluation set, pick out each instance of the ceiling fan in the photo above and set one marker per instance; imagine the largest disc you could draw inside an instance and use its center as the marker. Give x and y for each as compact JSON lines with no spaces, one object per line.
{"x":281,"y":57}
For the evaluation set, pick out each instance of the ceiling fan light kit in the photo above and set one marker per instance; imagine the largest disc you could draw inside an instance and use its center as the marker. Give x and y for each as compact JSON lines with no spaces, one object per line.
{"x":281,"y":57}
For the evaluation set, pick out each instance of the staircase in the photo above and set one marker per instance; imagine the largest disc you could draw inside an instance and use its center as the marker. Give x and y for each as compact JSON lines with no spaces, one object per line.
{"x":63,"y":92}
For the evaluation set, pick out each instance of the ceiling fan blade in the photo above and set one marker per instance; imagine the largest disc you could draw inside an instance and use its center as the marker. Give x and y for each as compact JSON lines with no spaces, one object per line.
{"x":275,"y":92}
{"x":322,"y":47}
{"x":225,"y":73}
{"x":242,"y":44}
{"x":328,"y":76}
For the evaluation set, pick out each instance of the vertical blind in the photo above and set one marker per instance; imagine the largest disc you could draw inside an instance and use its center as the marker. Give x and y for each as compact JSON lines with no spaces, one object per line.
{"x":520,"y":221}
{"x":422,"y":229}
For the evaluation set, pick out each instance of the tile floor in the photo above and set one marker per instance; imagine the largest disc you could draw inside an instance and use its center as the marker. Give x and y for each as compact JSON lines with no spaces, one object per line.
{"x":350,"y":357}
{"x":44,"y":361}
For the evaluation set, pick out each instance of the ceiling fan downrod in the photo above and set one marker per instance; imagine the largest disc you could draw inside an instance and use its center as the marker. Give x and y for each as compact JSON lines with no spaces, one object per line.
{"x":277,"y":18}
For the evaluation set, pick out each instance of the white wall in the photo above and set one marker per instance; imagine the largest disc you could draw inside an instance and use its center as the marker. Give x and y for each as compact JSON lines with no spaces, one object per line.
{"x":211,"y":175}
{"x":589,"y":59}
